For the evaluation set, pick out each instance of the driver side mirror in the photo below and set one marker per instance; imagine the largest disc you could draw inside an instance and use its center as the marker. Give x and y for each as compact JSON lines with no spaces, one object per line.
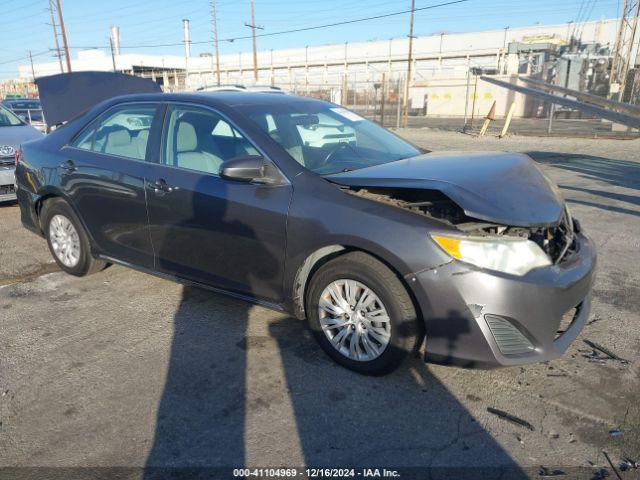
{"x":243,"y":169}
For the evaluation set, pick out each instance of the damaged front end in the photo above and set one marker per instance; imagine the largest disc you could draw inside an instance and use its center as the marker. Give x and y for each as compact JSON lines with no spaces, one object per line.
{"x":557,"y":240}
{"x":520,"y":264}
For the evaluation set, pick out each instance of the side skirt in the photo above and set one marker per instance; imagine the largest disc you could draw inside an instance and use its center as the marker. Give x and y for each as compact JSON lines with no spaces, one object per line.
{"x":184,"y":281}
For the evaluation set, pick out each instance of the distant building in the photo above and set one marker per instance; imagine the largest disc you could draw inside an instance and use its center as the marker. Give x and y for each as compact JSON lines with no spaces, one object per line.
{"x":348,"y":72}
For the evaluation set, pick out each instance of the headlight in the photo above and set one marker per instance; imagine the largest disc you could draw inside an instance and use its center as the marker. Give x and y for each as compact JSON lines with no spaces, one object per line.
{"x":517,"y":256}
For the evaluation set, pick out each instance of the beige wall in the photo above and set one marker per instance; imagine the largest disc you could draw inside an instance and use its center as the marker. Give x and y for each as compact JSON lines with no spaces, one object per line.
{"x":446,"y":97}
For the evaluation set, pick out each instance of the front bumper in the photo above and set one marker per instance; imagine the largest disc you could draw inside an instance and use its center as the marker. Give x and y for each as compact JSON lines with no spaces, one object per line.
{"x":7,"y":183}
{"x":478,"y":318}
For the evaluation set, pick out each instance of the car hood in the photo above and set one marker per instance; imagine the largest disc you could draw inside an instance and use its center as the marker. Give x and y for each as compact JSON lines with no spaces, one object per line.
{"x":14,"y":136}
{"x":504,"y":188}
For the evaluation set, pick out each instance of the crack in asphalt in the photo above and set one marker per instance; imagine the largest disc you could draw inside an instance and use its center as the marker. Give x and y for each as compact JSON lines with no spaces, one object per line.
{"x":43,"y":269}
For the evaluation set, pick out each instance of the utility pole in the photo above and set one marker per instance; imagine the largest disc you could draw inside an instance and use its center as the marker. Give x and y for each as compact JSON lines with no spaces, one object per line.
{"x":635,"y":87}
{"x":214,"y":28}
{"x":64,"y":36}
{"x":405,"y":119}
{"x":114,"y":43}
{"x":624,"y":47}
{"x":33,"y":72}
{"x":253,"y":27}
{"x":113,"y":55}
{"x":55,"y":35}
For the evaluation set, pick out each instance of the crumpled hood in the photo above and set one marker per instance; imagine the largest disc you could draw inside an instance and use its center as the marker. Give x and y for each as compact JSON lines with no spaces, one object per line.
{"x":14,"y":136}
{"x":504,"y":188}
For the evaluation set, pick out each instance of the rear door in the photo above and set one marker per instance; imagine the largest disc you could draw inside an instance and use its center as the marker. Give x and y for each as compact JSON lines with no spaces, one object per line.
{"x":103,"y":173}
{"x":223,"y":233}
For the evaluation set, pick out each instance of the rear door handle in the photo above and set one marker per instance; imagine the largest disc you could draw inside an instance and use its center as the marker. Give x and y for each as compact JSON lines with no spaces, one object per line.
{"x":68,"y":166}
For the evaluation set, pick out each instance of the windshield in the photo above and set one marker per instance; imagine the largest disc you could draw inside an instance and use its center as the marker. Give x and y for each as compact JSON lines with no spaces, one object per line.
{"x":8,"y":119}
{"x":329,"y":139}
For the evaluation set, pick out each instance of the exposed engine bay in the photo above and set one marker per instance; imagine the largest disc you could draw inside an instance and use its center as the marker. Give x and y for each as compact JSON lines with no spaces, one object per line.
{"x":556,"y":241}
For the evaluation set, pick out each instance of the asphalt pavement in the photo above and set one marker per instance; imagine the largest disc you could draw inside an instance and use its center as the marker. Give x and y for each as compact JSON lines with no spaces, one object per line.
{"x":125,"y":369}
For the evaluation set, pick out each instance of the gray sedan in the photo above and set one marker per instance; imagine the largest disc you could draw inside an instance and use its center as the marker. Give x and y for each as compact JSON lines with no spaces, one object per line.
{"x":13,"y":132}
{"x":380,"y":245}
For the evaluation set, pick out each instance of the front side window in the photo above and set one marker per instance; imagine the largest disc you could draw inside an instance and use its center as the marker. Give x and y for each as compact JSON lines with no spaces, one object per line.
{"x":200,"y":139}
{"x":329,"y":139}
{"x":122,"y":131}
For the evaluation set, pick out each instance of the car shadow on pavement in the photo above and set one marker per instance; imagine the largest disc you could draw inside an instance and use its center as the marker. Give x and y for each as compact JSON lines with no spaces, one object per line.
{"x":617,"y":173}
{"x":200,"y":416}
{"x":241,"y":393}
{"x":620,"y":173}
{"x":406,"y":420}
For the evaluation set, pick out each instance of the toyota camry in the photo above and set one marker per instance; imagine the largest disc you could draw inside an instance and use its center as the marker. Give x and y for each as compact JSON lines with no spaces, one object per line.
{"x":304,"y":206}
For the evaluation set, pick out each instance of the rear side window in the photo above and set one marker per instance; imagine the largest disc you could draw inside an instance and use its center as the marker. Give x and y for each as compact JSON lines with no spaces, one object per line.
{"x":122,"y":131}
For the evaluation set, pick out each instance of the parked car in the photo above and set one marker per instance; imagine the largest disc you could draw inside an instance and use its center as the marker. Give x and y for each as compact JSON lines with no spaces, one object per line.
{"x":28,"y":109}
{"x":13,"y":131}
{"x":377,"y":243}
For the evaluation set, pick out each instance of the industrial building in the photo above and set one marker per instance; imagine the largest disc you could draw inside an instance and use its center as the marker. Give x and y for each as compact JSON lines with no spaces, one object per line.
{"x":443,"y":74}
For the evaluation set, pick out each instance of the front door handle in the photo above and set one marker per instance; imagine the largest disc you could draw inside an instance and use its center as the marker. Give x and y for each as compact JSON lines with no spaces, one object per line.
{"x":68,"y":167}
{"x":160,"y":186}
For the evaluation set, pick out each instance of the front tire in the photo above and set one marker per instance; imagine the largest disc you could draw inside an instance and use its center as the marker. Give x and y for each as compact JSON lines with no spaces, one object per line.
{"x":67,"y":239}
{"x":361,"y":314}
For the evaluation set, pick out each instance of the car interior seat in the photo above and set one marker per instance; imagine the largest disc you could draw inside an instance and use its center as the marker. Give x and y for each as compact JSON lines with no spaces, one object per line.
{"x":189,"y":154}
{"x":118,"y":142}
{"x":141,"y":143}
{"x":292,"y":147}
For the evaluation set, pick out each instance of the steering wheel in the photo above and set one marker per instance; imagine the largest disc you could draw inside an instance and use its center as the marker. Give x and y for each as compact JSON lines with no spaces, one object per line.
{"x":332,"y":153}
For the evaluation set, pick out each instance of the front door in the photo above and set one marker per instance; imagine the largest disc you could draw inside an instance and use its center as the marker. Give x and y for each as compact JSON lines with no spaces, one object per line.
{"x":103,"y":174}
{"x":223,"y":233}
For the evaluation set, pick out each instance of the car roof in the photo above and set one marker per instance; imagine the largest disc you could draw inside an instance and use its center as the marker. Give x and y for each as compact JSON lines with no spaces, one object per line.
{"x":224,"y":97}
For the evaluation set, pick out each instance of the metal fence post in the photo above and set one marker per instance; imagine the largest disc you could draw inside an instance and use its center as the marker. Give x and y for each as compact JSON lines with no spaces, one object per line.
{"x":552,"y":110}
{"x":382,"y":100}
{"x":398,"y":109}
{"x":466,"y":95}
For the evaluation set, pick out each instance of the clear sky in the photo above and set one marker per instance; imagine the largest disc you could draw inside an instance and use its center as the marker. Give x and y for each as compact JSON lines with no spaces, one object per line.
{"x":152,"y":22}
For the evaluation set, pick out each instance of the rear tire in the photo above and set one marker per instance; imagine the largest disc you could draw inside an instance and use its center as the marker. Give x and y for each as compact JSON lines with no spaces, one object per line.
{"x":67,"y":239}
{"x":362,"y":280}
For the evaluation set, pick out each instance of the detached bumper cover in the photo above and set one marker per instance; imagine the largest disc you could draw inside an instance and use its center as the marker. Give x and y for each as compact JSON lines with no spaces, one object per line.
{"x":477,"y":318}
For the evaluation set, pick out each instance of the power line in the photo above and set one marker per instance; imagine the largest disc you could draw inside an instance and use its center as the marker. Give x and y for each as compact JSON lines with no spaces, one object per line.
{"x":586,"y":19}
{"x":294,"y":30}
{"x":23,"y":57}
{"x":476,"y":11}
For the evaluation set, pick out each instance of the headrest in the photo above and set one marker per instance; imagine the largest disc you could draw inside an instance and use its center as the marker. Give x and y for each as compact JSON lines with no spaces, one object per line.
{"x":119,"y":138}
{"x":143,"y":135}
{"x":187,"y":141}
{"x":141,"y":142}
